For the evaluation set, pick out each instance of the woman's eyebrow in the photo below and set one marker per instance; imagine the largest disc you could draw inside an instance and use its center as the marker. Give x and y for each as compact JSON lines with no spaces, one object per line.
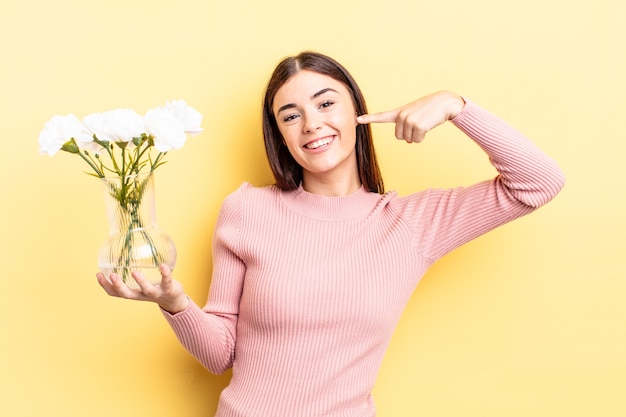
{"x":323,"y":91}
{"x":319,"y":93}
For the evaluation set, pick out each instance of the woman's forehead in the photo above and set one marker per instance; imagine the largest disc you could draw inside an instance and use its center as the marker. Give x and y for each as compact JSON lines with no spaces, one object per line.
{"x":305,"y":85}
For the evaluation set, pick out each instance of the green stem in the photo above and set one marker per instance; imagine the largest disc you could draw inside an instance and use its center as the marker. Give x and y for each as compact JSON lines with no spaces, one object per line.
{"x":109,"y":149}
{"x":130,"y":198}
{"x":92,"y":165}
{"x":139,"y":155}
{"x":157,"y":162}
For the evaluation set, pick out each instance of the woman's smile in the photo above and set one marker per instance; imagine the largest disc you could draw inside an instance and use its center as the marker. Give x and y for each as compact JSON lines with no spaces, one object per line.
{"x":320,"y":144}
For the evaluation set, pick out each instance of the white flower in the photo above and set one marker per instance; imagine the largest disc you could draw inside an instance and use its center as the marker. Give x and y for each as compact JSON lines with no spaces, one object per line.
{"x":188,"y":116}
{"x":120,"y":142}
{"x":59,"y":130}
{"x":168,"y":131}
{"x":120,"y":125}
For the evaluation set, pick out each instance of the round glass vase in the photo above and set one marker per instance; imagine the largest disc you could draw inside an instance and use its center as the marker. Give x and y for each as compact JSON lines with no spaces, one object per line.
{"x":135,"y":242}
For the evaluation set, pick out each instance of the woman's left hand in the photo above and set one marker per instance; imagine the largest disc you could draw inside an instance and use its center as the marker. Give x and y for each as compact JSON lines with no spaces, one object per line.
{"x":413,"y":120}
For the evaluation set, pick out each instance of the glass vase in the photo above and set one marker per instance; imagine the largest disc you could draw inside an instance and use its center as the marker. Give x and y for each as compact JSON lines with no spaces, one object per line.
{"x":135,"y":242}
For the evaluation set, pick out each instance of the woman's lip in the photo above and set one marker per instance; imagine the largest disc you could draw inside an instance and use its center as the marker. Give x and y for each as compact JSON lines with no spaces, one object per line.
{"x":329,"y":139}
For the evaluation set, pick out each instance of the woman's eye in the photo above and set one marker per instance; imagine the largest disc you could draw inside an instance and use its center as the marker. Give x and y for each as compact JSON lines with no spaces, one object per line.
{"x":326,"y":104}
{"x":290,"y":118}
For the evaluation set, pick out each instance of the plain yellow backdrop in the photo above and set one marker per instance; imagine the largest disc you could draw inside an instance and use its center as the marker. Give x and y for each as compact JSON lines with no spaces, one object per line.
{"x":529,"y":320}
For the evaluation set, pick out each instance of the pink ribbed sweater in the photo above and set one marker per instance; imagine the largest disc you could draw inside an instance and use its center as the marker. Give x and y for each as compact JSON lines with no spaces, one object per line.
{"x":307,"y":290}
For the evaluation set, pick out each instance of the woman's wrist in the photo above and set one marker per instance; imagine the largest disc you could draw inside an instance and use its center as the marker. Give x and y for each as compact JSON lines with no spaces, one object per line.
{"x":176,"y":306}
{"x":456,"y":104}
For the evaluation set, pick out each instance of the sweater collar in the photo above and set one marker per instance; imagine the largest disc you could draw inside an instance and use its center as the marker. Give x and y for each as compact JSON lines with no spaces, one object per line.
{"x":353,"y":206}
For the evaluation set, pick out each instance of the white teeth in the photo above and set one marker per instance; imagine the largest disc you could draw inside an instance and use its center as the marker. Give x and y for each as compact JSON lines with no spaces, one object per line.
{"x":318,"y":143}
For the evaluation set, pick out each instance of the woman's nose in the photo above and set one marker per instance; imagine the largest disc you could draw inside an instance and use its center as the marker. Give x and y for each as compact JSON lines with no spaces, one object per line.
{"x":312,"y":123}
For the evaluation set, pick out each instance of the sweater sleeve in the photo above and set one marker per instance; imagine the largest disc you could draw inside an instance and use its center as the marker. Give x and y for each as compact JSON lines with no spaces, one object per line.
{"x":526,"y":180}
{"x":209,"y":334}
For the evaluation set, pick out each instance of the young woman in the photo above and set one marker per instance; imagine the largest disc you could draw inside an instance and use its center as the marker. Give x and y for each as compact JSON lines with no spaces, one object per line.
{"x":311,"y":274}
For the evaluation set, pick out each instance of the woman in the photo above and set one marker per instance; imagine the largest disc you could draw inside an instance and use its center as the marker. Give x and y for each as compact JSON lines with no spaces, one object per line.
{"x":311,"y":274}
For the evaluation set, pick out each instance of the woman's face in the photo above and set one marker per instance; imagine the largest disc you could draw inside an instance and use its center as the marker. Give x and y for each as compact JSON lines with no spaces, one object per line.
{"x":317,"y":119}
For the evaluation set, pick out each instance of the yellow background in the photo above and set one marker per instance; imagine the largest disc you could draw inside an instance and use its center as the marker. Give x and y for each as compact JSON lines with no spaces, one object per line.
{"x":529,"y":320}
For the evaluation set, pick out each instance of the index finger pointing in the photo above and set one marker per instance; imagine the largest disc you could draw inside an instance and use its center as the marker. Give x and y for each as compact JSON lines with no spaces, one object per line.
{"x":383,"y":117}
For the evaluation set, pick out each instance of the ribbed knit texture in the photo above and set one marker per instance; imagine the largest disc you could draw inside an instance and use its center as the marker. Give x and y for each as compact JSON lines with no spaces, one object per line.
{"x":307,"y":290}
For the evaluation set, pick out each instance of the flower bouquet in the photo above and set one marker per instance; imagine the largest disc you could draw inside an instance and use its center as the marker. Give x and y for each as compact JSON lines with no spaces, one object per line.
{"x":124,"y":148}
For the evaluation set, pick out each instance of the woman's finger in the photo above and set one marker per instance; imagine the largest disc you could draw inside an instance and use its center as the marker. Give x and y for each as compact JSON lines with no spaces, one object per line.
{"x":166,"y":277}
{"x":114,"y":286}
{"x":383,"y":117}
{"x":148,"y":290}
{"x":105,"y":283}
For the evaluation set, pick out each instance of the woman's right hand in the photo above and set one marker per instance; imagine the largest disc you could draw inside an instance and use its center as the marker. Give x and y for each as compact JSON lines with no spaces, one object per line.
{"x":168,"y":293}
{"x":415,"y":119}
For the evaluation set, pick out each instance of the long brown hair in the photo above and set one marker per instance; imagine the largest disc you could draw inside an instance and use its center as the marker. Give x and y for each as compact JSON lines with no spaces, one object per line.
{"x":287,"y":172}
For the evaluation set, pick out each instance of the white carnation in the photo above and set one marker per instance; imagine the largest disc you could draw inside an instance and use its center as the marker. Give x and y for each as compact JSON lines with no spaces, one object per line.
{"x":60,"y":129}
{"x":120,"y":125}
{"x":168,"y":131}
{"x":188,"y":116}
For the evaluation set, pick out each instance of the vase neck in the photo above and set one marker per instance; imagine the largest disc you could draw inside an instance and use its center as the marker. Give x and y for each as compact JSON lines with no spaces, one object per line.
{"x":129,"y":202}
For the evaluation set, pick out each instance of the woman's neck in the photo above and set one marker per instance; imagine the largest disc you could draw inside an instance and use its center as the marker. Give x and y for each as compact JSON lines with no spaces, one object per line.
{"x":331,"y":187}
